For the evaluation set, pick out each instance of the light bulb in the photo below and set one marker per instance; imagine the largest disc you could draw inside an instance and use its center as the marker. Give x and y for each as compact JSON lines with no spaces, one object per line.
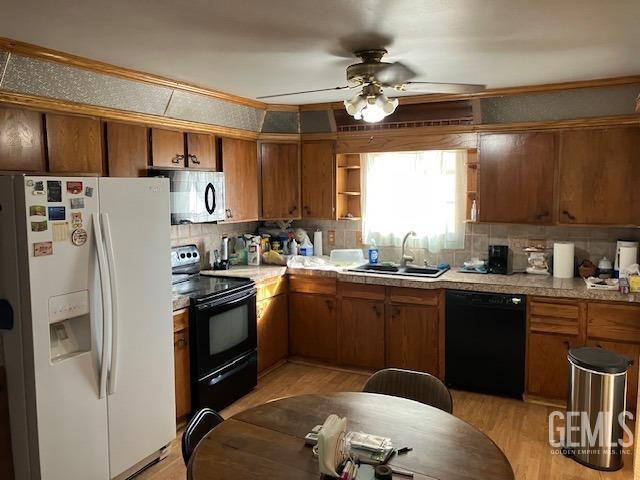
{"x":372,"y":113}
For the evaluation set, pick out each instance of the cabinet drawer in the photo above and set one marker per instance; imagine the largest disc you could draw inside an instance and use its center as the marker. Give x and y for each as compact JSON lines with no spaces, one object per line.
{"x":311,"y":284}
{"x":613,"y":322}
{"x":555,"y":316}
{"x":180,"y":319}
{"x":271,"y":288}
{"x":414,"y":296}
{"x":360,"y":290}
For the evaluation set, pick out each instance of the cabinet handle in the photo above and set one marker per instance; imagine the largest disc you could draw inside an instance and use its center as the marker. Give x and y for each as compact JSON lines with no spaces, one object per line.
{"x":194,"y":159}
{"x":329,"y":304}
{"x":376,"y":309}
{"x":542,"y":216}
{"x":598,"y":345}
{"x":569,"y":216}
{"x":293,"y":209}
{"x":177,"y":159}
{"x":567,"y":344}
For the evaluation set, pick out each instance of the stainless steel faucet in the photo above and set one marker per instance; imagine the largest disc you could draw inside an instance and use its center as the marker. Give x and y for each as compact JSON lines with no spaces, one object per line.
{"x":404,"y":259}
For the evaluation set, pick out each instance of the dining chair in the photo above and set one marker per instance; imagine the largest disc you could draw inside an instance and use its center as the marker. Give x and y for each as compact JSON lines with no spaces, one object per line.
{"x":200,"y":424}
{"x":418,"y":386}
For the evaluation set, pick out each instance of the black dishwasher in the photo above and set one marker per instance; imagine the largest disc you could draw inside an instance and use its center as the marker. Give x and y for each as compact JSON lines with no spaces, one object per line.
{"x":485,"y":342}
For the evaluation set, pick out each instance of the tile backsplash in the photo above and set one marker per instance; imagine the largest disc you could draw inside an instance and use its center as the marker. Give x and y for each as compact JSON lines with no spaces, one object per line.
{"x":208,"y":236}
{"x":590,"y":242}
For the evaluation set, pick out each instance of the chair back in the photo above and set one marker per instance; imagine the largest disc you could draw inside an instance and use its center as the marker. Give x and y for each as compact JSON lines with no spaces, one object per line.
{"x":418,"y":386}
{"x":200,"y":424}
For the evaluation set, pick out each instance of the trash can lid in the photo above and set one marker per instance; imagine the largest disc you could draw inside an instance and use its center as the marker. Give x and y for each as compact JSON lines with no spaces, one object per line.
{"x":599,"y":360}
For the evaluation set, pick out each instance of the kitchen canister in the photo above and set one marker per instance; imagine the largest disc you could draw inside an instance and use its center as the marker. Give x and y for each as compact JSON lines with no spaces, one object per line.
{"x":563,"y":255}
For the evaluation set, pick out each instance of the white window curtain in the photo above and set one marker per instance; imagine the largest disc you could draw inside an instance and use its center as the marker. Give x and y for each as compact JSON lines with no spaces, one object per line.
{"x":420,"y":191}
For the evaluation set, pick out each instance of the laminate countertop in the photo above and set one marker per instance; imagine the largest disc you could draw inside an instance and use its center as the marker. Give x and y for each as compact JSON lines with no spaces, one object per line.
{"x":517,"y":283}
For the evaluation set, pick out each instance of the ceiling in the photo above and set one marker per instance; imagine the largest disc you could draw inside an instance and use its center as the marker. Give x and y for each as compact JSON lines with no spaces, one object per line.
{"x":254,"y":48}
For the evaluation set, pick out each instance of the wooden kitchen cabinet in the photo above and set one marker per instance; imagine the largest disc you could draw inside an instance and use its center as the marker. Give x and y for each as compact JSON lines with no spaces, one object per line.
{"x":201,"y":151}
{"x":273,"y":331}
{"x":318,"y":180}
{"x":547,"y":364}
{"x":361,"y":341}
{"x":240,"y":167}
{"x":74,"y":144}
{"x":167,"y":148}
{"x":280,"y":173}
{"x":516,"y":177}
{"x":313,"y":326}
{"x":412,"y":337}
{"x":21,"y":141}
{"x":598,"y":170}
{"x":182,"y":363}
{"x":127,"y":150}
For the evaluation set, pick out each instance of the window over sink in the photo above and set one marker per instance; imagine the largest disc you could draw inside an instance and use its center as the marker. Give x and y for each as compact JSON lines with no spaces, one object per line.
{"x":423,"y":191}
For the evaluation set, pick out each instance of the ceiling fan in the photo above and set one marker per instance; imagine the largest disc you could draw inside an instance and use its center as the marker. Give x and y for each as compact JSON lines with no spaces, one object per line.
{"x":372,"y":75}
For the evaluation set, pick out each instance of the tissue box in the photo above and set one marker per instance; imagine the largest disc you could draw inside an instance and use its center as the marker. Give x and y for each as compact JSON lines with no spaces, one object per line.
{"x":634,"y":283}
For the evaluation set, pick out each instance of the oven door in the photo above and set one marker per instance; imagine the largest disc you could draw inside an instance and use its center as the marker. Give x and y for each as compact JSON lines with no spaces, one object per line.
{"x":224,"y":330}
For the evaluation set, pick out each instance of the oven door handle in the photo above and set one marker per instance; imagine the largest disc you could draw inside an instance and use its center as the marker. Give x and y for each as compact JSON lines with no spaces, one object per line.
{"x":223,"y":376}
{"x":224,"y":303}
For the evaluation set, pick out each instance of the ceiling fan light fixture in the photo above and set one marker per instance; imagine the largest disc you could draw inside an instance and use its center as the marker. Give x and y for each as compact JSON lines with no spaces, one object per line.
{"x":373,"y":113}
{"x":355,"y":105}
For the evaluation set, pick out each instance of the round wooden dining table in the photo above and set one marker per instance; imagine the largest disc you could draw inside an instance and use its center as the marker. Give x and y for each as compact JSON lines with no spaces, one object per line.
{"x":267,"y":442}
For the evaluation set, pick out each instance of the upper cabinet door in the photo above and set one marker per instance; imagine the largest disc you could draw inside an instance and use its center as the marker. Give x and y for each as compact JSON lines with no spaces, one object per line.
{"x":240,"y":167}
{"x":127,"y":150}
{"x":167,"y":148}
{"x":201,"y":151}
{"x":280,"y":170}
{"x":318,"y":180}
{"x":599,"y":172}
{"x":21,"y":145}
{"x":516,"y":177}
{"x":74,"y":144}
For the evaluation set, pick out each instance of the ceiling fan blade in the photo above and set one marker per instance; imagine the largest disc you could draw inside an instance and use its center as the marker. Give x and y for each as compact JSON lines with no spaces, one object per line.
{"x":435,"y":87}
{"x":305,"y":91}
{"x":395,"y":74}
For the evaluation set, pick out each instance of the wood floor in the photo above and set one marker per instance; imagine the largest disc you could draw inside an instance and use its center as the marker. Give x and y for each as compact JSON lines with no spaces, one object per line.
{"x":519,"y":429}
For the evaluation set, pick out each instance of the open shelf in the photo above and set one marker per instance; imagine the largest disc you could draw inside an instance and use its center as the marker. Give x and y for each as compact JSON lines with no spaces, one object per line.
{"x":348,"y":187}
{"x":472,"y":166}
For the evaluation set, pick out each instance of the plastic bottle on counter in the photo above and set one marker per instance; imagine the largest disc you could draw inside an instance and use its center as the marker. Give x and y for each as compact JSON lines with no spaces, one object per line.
{"x":373,"y":253}
{"x":293,"y":247}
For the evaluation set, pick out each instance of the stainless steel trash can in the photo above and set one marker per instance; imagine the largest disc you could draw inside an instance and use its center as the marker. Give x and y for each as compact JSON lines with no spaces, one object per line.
{"x":596,"y":400}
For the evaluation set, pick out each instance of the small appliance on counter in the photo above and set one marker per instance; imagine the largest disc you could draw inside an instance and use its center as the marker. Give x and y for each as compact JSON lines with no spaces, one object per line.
{"x":222,"y":331}
{"x":626,"y":255}
{"x":499,"y":259}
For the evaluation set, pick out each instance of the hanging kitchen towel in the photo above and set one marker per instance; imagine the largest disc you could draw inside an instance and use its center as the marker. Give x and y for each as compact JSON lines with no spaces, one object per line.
{"x":563,"y":253}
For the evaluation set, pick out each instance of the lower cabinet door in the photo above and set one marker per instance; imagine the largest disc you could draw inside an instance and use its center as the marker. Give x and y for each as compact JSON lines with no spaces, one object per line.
{"x":412,"y":337}
{"x":361,"y":333}
{"x":632,"y":351}
{"x":273,"y":331}
{"x":312,"y":326}
{"x":547,"y":365}
{"x":182,"y":373}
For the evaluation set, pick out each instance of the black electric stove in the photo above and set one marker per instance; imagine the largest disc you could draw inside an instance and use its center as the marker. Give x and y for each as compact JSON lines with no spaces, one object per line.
{"x":222,"y":331}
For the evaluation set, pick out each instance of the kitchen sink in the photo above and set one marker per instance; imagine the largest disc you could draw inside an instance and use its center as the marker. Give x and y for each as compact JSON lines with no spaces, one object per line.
{"x":427,"y":272}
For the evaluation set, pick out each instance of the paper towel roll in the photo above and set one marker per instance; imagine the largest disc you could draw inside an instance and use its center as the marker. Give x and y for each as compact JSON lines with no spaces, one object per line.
{"x":628,"y":256}
{"x":563,"y":253}
{"x":317,"y":243}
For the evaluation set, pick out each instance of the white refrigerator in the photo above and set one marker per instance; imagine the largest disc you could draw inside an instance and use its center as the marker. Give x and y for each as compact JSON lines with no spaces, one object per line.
{"x":85,"y":267}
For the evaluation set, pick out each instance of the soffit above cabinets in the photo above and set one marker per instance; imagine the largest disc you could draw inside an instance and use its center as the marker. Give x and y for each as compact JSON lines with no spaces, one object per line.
{"x":253,"y":48}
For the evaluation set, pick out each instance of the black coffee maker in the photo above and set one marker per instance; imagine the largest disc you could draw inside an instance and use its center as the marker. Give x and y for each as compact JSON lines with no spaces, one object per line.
{"x":499,"y":259}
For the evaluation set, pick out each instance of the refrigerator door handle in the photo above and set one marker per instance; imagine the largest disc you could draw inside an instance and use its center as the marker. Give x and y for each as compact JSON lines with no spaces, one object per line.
{"x":106,"y":304}
{"x":113,"y":368}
